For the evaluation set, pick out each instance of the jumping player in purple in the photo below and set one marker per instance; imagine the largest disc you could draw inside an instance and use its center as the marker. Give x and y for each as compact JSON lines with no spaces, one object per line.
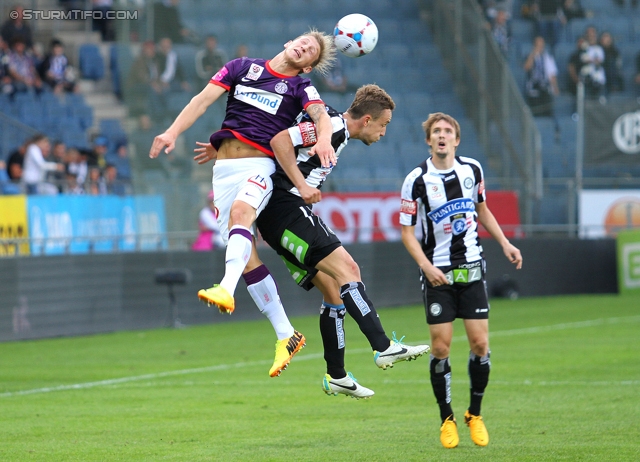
{"x":265,"y":96}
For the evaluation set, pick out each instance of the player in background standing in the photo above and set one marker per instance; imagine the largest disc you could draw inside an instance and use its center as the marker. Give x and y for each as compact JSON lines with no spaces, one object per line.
{"x":265,"y":96}
{"x":446,"y":194}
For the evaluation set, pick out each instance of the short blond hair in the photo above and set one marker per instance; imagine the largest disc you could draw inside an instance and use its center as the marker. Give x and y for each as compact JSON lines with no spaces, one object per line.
{"x":327,"y":53}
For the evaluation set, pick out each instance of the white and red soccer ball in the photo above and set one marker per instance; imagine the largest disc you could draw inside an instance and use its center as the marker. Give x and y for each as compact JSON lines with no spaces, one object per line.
{"x":355,"y":35}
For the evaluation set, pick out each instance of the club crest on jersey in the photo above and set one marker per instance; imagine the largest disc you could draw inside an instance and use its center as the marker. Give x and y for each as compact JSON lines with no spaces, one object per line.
{"x":308,"y":133}
{"x":453,"y":207}
{"x":459,"y":225}
{"x":281,"y":88}
{"x":468,"y":183}
{"x":255,"y":71}
{"x":408,"y":207}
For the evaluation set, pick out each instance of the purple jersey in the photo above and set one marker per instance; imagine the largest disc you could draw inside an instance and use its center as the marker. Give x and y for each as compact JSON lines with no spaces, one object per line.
{"x":261,"y":102}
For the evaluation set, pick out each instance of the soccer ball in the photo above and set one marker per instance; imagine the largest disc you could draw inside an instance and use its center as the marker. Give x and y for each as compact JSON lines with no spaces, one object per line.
{"x":355,"y":35}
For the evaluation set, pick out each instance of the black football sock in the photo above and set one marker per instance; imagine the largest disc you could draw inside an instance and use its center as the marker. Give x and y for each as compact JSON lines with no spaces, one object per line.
{"x":479,"y":368}
{"x":332,"y":331}
{"x":362,"y":311}
{"x":441,"y":383}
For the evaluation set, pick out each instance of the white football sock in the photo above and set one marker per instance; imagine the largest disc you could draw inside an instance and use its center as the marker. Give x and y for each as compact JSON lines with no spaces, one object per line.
{"x":236,"y":257}
{"x":265,"y":295}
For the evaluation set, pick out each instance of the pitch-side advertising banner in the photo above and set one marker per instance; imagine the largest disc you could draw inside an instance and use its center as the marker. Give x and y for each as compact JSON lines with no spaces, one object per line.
{"x":628,"y":244}
{"x":82,"y":224}
{"x":612,"y":133}
{"x":13,"y":225}
{"x":369,"y":217}
{"x":606,"y":212}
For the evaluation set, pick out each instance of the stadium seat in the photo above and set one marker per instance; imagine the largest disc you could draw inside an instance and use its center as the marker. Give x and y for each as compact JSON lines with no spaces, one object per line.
{"x":91,"y":62}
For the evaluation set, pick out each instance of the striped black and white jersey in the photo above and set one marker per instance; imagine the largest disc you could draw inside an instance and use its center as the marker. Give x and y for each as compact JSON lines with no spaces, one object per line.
{"x":304,"y":136}
{"x":445,"y":203}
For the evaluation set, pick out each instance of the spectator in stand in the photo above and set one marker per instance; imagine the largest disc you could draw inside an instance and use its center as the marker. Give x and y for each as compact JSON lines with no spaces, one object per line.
{"x":172,"y":77}
{"x":167,"y":22}
{"x":6,"y":185}
{"x":95,"y":184}
{"x":612,"y":64}
{"x":96,"y":157}
{"x":242,"y":51}
{"x":112,"y":183}
{"x":59,"y":156}
{"x":592,"y":72}
{"x":71,"y":186}
{"x":22,"y":68}
{"x":142,"y":83}
{"x":13,"y":29}
{"x":36,"y":166}
{"x":491,"y":8}
{"x":56,"y":71}
{"x":6,"y":82}
{"x":209,"y":237}
{"x":15,"y":162}
{"x":209,"y":60}
{"x":572,"y":9}
{"x":541,"y":82}
{"x":77,"y":165}
{"x":121,"y":160}
{"x":501,"y":30}
{"x":100,"y":23}
{"x":574,"y":66}
{"x":549,"y":20}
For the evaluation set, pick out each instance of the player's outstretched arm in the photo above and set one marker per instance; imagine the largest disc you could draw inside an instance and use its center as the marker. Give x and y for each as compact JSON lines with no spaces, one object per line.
{"x":191,"y":112}
{"x":490,"y":223}
{"x":286,"y":156}
{"x":323,"y":148}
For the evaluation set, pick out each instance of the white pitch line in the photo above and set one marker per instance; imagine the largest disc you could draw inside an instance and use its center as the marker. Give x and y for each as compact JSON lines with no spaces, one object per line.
{"x":219,"y":367}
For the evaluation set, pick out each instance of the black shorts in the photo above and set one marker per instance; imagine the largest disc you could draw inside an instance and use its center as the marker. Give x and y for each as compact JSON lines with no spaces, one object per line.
{"x":299,"y":236}
{"x":466,"y":298}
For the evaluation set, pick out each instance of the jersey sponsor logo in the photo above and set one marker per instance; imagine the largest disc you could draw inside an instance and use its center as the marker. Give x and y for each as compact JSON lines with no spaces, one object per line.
{"x":255,"y":71}
{"x":453,"y":207}
{"x":447,"y":228}
{"x":468,"y":183}
{"x":261,"y":99}
{"x":312,"y":93}
{"x":408,"y":207}
{"x":449,"y":178}
{"x":482,"y":310}
{"x":435,"y":309}
{"x":220,"y":74}
{"x":308,"y":133}
{"x":281,"y":87}
{"x":259,"y":181}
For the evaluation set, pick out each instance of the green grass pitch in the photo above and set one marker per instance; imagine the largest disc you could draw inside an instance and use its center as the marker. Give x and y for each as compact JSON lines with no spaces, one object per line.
{"x":564,"y":385}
